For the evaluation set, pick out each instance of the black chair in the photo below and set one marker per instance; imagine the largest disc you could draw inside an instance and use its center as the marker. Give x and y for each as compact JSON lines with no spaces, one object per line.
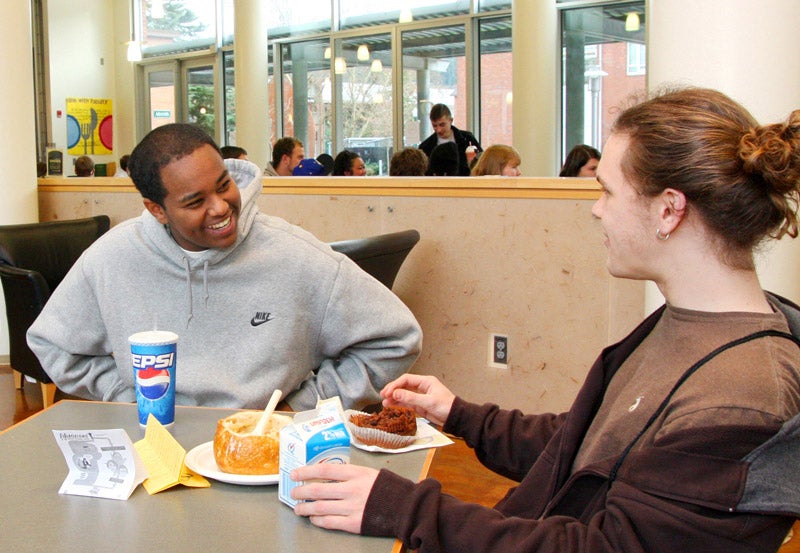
{"x":33,"y":260}
{"x":381,"y":255}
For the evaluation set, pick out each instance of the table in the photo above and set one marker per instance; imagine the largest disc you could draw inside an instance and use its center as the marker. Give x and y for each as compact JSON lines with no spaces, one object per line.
{"x":224,"y":517}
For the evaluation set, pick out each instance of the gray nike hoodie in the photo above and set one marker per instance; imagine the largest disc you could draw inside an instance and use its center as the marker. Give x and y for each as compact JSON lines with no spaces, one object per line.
{"x":276,"y":310}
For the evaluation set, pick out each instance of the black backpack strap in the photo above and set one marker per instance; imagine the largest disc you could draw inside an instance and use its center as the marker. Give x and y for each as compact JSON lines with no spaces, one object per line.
{"x":689,"y":372}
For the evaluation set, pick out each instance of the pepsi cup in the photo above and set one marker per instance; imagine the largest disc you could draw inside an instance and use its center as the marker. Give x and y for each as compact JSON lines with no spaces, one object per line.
{"x":154,"y":354}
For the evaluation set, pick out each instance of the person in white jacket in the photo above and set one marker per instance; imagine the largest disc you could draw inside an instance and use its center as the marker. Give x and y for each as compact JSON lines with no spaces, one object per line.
{"x":258,"y":304}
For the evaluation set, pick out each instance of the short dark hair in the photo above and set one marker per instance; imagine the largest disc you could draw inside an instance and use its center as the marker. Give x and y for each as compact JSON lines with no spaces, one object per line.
{"x":284,"y":147}
{"x":577,"y":158}
{"x":408,"y":162}
{"x":327,"y":162}
{"x":444,"y":160}
{"x":123,"y":162}
{"x":232,"y":152}
{"x":438,"y":111}
{"x":344,"y":162}
{"x":159,"y":148}
{"x":84,"y":166}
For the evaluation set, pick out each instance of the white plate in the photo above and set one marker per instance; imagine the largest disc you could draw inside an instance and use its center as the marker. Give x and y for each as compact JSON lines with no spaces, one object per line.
{"x":201,"y":460}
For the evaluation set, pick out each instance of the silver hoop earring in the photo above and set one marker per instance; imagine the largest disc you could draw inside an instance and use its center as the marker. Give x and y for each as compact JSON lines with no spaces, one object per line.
{"x":660,"y":236}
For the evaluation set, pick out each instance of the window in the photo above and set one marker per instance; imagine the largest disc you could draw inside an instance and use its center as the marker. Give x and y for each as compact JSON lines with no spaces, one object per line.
{"x":495,"y":79}
{"x":177,"y":25}
{"x":363,"y":68}
{"x":306,"y":86}
{"x":294,"y":18}
{"x":229,"y":105}
{"x":637,"y":64}
{"x":354,"y":74}
{"x":492,"y":5}
{"x":433,"y":73}
{"x":200,"y":98}
{"x":361,"y":13}
{"x":161,"y":94}
{"x":597,"y":44}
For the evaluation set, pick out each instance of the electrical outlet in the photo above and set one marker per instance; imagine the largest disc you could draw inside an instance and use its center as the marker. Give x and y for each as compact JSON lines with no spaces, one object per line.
{"x":498,"y":351}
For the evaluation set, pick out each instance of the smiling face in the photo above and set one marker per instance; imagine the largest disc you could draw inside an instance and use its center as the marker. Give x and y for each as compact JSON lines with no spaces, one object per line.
{"x":357,"y":169}
{"x":202,"y":204}
{"x":625,"y":216}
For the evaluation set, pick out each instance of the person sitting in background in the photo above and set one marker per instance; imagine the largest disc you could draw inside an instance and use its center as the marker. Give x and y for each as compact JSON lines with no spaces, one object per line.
{"x":349,"y":164}
{"x":684,"y":435}
{"x":408,"y":162}
{"x":233,"y":152}
{"x":498,"y":159}
{"x":309,"y":167}
{"x":259,"y":304}
{"x":444,"y":161}
{"x":122,"y":168}
{"x":84,"y":167}
{"x":286,"y":154}
{"x":327,"y":162}
{"x":467,"y":145}
{"x":581,"y":161}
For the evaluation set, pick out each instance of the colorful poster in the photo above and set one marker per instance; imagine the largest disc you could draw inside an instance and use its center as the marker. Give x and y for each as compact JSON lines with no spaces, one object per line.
{"x":89,"y":127}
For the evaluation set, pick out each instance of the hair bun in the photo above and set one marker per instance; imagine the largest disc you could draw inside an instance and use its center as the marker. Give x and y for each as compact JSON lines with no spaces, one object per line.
{"x":773,"y":151}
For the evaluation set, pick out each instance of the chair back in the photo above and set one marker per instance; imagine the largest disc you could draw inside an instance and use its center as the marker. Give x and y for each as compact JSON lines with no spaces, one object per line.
{"x":381,"y":256}
{"x":50,"y":248}
{"x":34,"y":258}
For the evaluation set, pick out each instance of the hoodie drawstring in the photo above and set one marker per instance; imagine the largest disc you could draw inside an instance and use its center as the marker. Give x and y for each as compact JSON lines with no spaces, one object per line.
{"x":189,"y":286}
{"x":188,"y":269}
{"x":205,"y":282}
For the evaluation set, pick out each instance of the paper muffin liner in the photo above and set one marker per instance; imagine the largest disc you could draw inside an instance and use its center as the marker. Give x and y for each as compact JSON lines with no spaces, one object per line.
{"x":380,"y":438}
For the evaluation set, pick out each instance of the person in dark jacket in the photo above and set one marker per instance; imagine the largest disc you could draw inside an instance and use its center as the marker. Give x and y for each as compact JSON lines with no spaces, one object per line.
{"x":684,"y":435}
{"x":466,"y":143}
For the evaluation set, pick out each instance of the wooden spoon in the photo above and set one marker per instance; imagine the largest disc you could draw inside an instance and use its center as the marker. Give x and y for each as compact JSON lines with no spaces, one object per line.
{"x":264,"y":420}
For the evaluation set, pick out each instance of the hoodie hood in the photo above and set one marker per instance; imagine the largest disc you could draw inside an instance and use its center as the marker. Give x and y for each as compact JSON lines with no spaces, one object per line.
{"x":247,"y":177}
{"x":773,"y":481}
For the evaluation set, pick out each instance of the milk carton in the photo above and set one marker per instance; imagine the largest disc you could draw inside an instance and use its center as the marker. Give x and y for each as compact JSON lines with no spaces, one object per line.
{"x":316,"y":436}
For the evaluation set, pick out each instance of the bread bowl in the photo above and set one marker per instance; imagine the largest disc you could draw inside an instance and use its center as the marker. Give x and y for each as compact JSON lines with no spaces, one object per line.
{"x":237,"y":451}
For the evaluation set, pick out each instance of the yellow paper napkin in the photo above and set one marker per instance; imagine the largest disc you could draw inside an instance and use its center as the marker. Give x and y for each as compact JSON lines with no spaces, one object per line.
{"x":163,"y":456}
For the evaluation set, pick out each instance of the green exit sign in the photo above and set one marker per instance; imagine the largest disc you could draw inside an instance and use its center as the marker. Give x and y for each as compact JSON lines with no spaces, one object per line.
{"x":161,"y":113}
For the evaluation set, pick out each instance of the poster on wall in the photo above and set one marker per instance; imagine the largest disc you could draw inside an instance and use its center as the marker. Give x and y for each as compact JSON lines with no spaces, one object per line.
{"x":89,"y":127}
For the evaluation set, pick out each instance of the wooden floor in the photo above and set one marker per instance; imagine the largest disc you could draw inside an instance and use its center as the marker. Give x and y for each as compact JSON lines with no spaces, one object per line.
{"x":454,"y":466}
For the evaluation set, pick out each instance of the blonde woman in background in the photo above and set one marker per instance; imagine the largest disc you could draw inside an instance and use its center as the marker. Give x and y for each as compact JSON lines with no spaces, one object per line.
{"x":498,"y":159}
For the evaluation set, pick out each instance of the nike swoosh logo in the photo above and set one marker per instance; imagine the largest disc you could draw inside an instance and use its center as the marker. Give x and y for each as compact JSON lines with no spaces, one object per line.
{"x":261,"y":318}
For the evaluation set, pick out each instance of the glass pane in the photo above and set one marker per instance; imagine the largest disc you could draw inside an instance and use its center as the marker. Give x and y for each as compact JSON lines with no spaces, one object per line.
{"x":228,"y":85}
{"x":361,"y":13}
{"x":293,"y":18}
{"x":493,"y":5}
{"x":200,"y":98}
{"x":177,"y":25}
{"x":227,"y":22}
{"x":495,"y":78}
{"x":307,"y":94}
{"x":433,"y":73}
{"x":364,"y":111}
{"x":603,"y":57}
{"x":273,"y":116}
{"x":161,"y":90}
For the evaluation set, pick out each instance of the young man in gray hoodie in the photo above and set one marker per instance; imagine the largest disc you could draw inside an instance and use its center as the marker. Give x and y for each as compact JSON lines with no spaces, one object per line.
{"x":259,"y":304}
